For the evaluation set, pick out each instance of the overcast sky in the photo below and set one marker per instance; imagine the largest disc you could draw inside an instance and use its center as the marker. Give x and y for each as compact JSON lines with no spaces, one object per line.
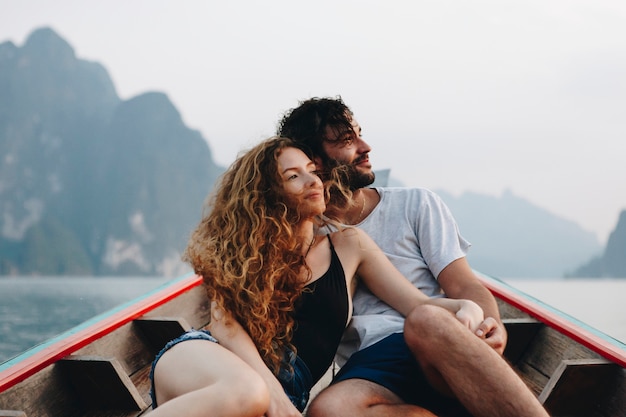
{"x":482,"y":96}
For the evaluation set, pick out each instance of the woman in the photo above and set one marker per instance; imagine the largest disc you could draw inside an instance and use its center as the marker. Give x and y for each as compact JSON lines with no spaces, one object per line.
{"x":281,"y":294}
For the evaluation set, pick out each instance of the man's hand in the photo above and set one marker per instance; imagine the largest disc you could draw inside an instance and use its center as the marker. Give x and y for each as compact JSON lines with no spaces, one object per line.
{"x":493,"y":333}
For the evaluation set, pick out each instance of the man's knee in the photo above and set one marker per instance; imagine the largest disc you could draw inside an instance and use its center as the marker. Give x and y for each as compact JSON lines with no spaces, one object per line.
{"x":428,"y":325}
{"x":427,"y":318}
{"x":326,"y":404}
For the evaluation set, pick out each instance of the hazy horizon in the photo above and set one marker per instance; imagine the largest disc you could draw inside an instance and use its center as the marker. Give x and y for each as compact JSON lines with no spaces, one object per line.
{"x":481,"y":96}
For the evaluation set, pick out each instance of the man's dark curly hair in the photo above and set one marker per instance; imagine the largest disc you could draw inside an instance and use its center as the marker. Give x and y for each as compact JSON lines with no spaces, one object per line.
{"x":307,"y":123}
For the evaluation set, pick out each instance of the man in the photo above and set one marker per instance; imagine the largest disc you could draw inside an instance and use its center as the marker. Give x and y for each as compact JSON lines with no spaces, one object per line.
{"x":411,"y":367}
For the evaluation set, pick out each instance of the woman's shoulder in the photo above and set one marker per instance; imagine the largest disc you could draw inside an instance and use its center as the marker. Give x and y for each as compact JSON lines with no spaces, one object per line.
{"x":349,"y":235}
{"x":352,"y":246}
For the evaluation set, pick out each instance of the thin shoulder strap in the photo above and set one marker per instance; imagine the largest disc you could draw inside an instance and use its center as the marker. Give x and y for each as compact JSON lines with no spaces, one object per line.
{"x":330,"y":240}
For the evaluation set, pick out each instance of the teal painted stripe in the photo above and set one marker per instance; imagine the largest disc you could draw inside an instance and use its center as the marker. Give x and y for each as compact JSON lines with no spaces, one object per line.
{"x":557,"y":312}
{"x":90,"y":322}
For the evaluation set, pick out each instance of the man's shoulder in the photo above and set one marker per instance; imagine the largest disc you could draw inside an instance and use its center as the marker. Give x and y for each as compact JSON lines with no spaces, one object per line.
{"x":407,"y":193}
{"x":407,"y":190}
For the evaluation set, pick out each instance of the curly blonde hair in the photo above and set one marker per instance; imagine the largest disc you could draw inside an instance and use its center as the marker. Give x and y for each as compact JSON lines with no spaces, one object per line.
{"x":246,"y":251}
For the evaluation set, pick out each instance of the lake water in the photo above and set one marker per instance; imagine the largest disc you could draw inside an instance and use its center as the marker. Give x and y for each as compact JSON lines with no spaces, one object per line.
{"x":600,"y":303}
{"x":33,"y":310}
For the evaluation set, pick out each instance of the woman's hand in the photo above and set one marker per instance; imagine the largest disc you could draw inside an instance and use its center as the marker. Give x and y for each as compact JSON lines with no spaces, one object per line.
{"x":470,"y":314}
{"x":280,"y":405}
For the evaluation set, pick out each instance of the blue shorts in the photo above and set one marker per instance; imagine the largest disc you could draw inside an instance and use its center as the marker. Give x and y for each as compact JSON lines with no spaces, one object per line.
{"x":296,"y":379}
{"x":391,"y":364}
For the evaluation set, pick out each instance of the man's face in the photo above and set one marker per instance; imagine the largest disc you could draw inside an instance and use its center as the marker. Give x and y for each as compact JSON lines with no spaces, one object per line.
{"x":347,"y":147}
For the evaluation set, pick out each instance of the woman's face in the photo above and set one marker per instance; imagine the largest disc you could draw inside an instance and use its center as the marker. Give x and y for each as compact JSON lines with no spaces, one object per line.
{"x":301,"y":183}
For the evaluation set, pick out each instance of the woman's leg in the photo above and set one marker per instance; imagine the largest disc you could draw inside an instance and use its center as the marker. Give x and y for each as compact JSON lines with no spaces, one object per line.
{"x":202,"y":378}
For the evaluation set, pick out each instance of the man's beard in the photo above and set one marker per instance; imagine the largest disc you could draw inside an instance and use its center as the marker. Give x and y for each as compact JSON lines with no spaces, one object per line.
{"x":355,"y":179}
{"x":349,"y":175}
{"x":341,"y":180}
{"x":359,"y":179}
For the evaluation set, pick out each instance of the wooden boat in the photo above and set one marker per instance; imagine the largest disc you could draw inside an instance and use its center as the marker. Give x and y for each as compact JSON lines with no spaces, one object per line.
{"x":101,"y":367}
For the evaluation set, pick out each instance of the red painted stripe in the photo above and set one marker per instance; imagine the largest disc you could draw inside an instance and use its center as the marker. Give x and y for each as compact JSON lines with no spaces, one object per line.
{"x":58,"y":350}
{"x":561,"y":324}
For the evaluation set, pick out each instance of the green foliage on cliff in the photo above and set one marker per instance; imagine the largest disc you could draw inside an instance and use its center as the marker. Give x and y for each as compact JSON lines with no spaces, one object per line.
{"x":91,"y":184}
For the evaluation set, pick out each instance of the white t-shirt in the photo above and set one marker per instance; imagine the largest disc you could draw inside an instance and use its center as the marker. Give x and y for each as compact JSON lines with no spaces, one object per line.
{"x":417,"y":232}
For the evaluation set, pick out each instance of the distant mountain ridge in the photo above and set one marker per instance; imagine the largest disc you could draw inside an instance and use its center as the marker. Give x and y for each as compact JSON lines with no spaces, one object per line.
{"x":513,"y":238}
{"x":94,"y":185}
{"x":612,"y":262}
{"x":91,"y":184}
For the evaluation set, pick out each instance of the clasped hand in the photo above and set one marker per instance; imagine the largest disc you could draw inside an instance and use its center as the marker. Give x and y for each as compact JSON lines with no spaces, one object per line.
{"x":470,"y":315}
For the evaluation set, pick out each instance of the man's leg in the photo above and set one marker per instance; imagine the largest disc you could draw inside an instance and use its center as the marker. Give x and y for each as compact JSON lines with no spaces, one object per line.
{"x":457,"y":361}
{"x":358,"y":397}
{"x":383,"y":379}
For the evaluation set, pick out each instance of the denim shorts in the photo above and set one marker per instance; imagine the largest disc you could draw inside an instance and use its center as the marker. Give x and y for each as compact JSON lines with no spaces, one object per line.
{"x":391,"y":364}
{"x":296,"y":380}
{"x":294,"y":375}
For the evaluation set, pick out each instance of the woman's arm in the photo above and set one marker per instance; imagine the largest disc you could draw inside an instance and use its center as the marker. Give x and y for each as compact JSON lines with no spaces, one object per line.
{"x":388,"y":284}
{"x":233,"y":337}
{"x":466,"y":311}
{"x":459,"y":281}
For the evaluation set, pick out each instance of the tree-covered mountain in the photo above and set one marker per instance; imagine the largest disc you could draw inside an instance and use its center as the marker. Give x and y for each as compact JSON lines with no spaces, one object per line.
{"x":91,"y":184}
{"x":612,"y":262}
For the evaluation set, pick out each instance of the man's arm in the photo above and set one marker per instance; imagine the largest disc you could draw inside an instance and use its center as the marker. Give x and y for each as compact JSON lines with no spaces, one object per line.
{"x":459,"y":281}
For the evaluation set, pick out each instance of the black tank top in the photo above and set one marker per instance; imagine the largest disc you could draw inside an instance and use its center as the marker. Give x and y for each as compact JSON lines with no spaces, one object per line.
{"x":321,"y":314}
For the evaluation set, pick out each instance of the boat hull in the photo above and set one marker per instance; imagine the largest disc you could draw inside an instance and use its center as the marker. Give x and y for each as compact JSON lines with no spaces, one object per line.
{"x":101,"y":368}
